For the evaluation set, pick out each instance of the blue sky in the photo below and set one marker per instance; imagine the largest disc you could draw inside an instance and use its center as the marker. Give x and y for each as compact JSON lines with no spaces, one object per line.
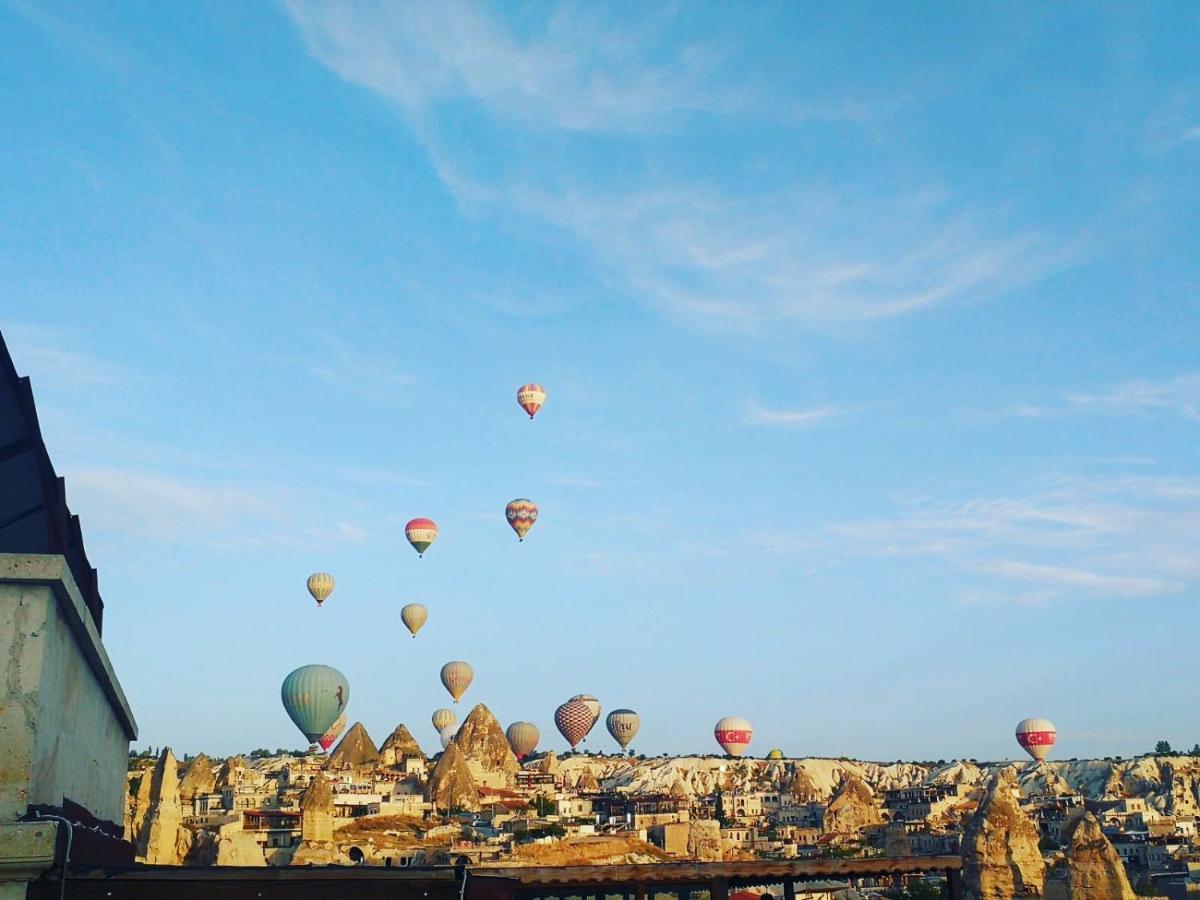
{"x":869,"y":336}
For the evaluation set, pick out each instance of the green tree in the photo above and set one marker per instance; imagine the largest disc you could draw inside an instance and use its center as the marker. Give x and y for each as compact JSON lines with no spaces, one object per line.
{"x":923,"y":890}
{"x":1163,"y":747}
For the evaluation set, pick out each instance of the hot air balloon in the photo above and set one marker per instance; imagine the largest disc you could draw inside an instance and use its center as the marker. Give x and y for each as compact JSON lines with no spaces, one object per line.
{"x":574,"y":720}
{"x":775,"y":753}
{"x":733,"y":734}
{"x":593,"y":706}
{"x":314,"y":696}
{"x":421,"y":533}
{"x":1037,"y":736}
{"x":523,"y":737}
{"x":414,"y":615}
{"x":456,"y":678}
{"x":531,"y":397}
{"x":320,"y":585}
{"x":326,"y":740}
{"x":443,"y":719}
{"x":521,"y":515}
{"x":446,"y":736}
{"x":623,"y":724}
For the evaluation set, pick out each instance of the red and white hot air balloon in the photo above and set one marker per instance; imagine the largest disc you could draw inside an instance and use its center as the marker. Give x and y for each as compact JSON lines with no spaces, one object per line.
{"x":421,"y":533}
{"x":734,"y":734}
{"x":326,"y":740}
{"x":1037,"y":737}
{"x":531,"y":397}
{"x":574,"y":720}
{"x":593,"y":706}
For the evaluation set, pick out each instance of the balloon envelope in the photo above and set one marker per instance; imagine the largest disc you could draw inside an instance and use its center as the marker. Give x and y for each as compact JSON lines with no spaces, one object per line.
{"x":457,"y":677}
{"x":414,"y":615}
{"x":443,"y":719}
{"x":421,"y":533}
{"x":623,"y":724}
{"x":593,"y":706}
{"x":573,"y":720}
{"x":775,"y":754}
{"x":326,"y":740}
{"x":1037,"y":737}
{"x":320,"y":585}
{"x":314,"y":696}
{"x":521,"y":515}
{"x":531,"y":397}
{"x":734,"y":734}
{"x":523,"y":737}
{"x":446,"y":736}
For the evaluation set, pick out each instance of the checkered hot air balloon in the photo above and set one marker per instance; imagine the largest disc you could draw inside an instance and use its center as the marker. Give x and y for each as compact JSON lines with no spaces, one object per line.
{"x":1037,"y":737}
{"x":573,"y":720}
{"x":521,"y":515}
{"x":531,"y":397}
{"x":421,"y":533}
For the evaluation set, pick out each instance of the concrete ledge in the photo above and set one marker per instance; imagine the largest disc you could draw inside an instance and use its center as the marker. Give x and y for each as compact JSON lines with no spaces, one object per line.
{"x":54,"y":572}
{"x":28,"y":849}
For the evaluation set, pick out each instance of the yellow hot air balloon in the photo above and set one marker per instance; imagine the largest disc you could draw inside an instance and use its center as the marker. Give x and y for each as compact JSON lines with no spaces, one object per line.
{"x":456,"y":678}
{"x":521,"y":515}
{"x":443,"y":719}
{"x":414,"y":615}
{"x":320,"y":585}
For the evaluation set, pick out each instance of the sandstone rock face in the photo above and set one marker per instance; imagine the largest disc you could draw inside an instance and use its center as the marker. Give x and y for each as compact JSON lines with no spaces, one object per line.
{"x":198,"y":779}
{"x":354,"y":749}
{"x":400,"y":745}
{"x":704,"y":840}
{"x":158,"y":837}
{"x":1094,"y":869}
{"x":137,"y":806}
{"x":1179,"y":783}
{"x":800,"y":785}
{"x":232,"y":771}
{"x":587,"y":781}
{"x":235,"y":847}
{"x":852,"y":808}
{"x":482,"y":740}
{"x":1001,"y":859}
{"x":549,"y":765}
{"x":316,"y":845}
{"x":450,"y":784}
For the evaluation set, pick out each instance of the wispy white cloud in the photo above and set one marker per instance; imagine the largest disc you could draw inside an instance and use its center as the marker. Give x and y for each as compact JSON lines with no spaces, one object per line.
{"x":1131,"y":536}
{"x":1175,"y":396}
{"x":58,"y":357}
{"x":792,"y":418}
{"x":714,"y":256}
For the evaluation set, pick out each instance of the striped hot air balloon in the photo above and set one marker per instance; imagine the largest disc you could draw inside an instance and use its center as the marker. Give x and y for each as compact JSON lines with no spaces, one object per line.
{"x":443,"y":719}
{"x":414,"y":615}
{"x":733,"y":734}
{"x":531,"y":397}
{"x":1037,"y":737}
{"x":314,"y":696}
{"x":574,"y":720}
{"x":421,"y":533}
{"x":456,"y":678}
{"x":623,"y":725}
{"x":320,"y":585}
{"x":523,"y":737}
{"x":326,"y":740}
{"x":521,"y":515}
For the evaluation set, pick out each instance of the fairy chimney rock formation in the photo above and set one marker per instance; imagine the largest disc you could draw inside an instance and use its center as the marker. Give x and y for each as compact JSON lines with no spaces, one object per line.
{"x":399,"y":746}
{"x":1094,"y":869}
{"x":482,"y":741}
{"x":355,"y":749}
{"x":198,"y":779}
{"x":450,"y":784}
{"x":1001,"y":859}
{"x":158,"y":837}
{"x":852,"y":808}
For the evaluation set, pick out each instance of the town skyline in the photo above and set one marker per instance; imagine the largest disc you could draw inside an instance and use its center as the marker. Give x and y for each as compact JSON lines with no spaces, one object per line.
{"x":873,"y":387}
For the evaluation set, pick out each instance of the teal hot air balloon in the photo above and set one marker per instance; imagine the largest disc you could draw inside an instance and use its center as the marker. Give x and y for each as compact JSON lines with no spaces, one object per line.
{"x":314,"y":696}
